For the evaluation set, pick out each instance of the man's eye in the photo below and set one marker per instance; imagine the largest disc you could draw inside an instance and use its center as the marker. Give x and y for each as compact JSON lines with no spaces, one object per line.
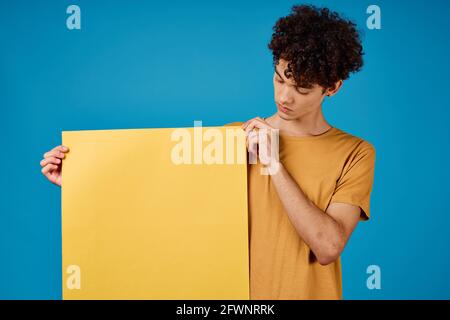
{"x":278,"y":80}
{"x":303,"y":92}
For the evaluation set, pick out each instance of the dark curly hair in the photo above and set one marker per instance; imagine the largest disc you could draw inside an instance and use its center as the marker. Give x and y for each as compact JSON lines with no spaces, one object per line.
{"x":320,"y":46}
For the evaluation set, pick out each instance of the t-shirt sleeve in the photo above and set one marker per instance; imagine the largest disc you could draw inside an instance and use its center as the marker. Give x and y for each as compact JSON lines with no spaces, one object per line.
{"x":354,"y":186}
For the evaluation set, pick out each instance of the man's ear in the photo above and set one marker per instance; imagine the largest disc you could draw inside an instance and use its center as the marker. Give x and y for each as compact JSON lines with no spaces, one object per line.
{"x":334,"y":89}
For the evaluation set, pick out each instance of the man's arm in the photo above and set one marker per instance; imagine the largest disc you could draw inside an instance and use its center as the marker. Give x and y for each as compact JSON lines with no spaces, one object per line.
{"x":326,"y":233}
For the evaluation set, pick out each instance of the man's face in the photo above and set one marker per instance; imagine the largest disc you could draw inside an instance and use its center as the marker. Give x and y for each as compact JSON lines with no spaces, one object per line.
{"x":294,"y":102}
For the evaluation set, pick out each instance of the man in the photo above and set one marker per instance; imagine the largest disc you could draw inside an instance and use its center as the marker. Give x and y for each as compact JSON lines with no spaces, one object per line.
{"x":302,"y":215}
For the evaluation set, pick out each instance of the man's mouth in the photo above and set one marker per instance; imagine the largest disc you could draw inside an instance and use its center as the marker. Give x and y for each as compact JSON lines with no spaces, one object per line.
{"x":283,"y":108}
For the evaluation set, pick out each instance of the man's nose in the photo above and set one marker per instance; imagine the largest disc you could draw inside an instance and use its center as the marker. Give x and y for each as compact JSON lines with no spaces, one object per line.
{"x":285,"y":98}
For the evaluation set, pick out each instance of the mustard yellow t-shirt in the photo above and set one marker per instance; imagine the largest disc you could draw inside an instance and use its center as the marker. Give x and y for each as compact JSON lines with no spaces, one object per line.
{"x":332,"y":167}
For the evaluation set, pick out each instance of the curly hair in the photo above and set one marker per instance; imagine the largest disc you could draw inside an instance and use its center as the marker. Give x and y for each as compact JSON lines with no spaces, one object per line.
{"x":320,"y":46}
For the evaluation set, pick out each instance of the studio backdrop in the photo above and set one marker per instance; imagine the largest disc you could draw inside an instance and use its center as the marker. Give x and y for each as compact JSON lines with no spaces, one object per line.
{"x":155,"y":64}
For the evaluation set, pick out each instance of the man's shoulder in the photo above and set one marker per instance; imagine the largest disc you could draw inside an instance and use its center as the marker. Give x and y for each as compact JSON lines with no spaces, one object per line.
{"x":359,"y":144}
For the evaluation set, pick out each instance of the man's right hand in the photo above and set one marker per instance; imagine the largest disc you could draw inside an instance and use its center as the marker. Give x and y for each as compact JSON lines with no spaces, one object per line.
{"x":52,"y":164}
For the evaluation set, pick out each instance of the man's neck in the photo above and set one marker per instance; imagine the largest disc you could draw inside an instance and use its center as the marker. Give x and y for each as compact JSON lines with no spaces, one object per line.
{"x":309,"y":125}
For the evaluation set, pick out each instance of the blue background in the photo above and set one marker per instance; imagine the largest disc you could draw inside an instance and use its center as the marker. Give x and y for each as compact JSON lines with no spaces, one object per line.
{"x":144,"y":64}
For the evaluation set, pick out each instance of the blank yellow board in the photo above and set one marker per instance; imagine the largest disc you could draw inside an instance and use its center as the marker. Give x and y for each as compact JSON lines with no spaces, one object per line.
{"x":136,"y":225}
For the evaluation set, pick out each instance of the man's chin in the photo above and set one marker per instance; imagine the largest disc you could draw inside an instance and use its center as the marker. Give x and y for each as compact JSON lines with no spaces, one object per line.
{"x":284,"y":116}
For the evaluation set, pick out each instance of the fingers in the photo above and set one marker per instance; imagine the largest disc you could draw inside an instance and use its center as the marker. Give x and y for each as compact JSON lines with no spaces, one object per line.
{"x":251,"y":129}
{"x":252,"y":146}
{"x":49,"y":168}
{"x":256,"y":142}
{"x":255,"y":123}
{"x":52,"y":160}
{"x":253,"y":141}
{"x":245,"y":124}
{"x":61,"y":148}
{"x":58,"y":152}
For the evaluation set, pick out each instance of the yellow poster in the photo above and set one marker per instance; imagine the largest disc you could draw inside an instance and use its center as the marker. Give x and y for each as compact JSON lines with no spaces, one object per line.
{"x":155,"y":214}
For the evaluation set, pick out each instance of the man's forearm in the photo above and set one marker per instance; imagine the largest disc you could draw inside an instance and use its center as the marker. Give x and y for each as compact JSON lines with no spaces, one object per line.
{"x":323,"y":234}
